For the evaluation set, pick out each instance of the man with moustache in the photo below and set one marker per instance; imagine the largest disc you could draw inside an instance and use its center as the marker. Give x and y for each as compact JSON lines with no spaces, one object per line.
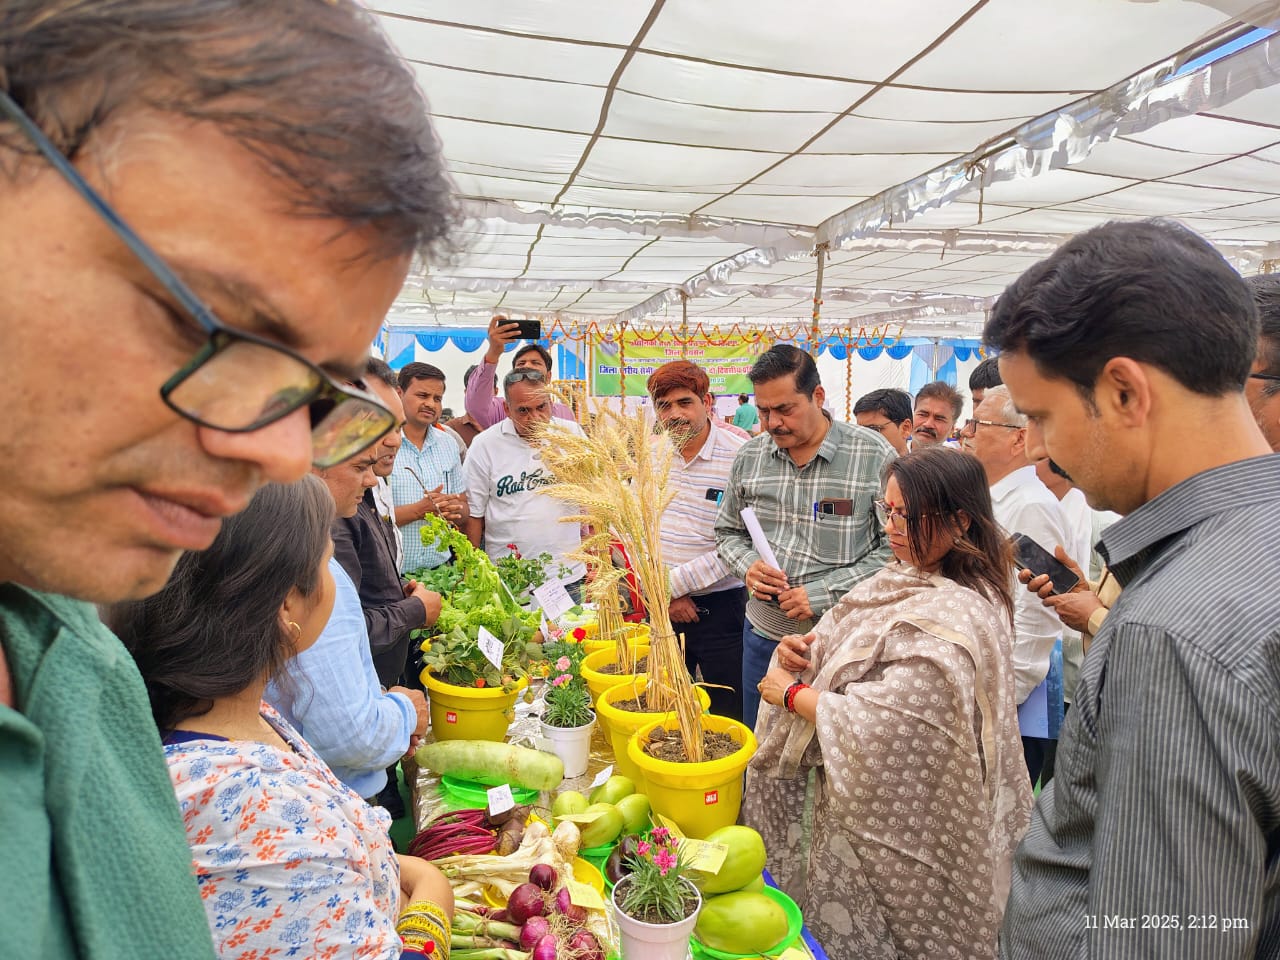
{"x":1129,"y":350}
{"x":505,"y":476}
{"x":938,"y":406}
{"x":216,"y":209}
{"x":428,"y":476}
{"x":707,"y":600}
{"x":483,"y":405}
{"x":812,"y":482}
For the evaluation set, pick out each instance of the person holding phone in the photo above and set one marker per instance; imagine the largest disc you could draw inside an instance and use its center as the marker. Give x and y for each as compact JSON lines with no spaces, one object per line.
{"x":483,"y":405}
{"x":997,"y":437}
{"x":898,"y":709}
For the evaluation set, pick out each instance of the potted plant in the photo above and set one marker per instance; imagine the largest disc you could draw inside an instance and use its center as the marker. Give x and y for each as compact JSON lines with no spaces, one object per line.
{"x":656,"y":905}
{"x":567,"y":717}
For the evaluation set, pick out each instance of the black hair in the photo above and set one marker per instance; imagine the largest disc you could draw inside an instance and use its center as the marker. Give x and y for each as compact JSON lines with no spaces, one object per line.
{"x":534,"y":348}
{"x":742,"y":398}
{"x":941,"y":390}
{"x":782,"y":360}
{"x":985,"y":375}
{"x":894,"y":405}
{"x":418,"y":371}
{"x":313,"y":90}
{"x":1266,"y":294}
{"x":1149,"y":290}
{"x":379,"y":369}
{"x":937,"y":485}
{"x":215,"y":628}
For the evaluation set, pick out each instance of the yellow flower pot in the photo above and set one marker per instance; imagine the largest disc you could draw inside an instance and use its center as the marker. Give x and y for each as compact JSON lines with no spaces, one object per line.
{"x":598,"y":682}
{"x":636,"y":634}
{"x":470,"y":713}
{"x":700,"y":797}
{"x":619,"y":725}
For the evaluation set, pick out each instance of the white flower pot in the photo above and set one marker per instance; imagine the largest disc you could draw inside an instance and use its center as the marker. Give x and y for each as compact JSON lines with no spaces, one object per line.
{"x":572,"y":745}
{"x":639,"y":940}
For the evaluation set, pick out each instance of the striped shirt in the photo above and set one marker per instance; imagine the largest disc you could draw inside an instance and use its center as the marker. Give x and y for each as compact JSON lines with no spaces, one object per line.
{"x":688,"y":523}
{"x":438,"y":462}
{"x":1159,"y":836}
{"x":825,"y":554}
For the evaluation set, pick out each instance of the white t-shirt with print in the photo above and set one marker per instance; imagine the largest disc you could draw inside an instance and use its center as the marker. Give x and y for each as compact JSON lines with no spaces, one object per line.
{"x":504,"y":475}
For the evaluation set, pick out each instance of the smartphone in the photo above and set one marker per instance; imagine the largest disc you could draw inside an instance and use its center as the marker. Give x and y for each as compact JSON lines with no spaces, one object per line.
{"x":529,"y":329}
{"x":1029,"y":554}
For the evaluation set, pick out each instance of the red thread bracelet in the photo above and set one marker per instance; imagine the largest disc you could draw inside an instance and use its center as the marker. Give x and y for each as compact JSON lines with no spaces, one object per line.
{"x":789,"y":697}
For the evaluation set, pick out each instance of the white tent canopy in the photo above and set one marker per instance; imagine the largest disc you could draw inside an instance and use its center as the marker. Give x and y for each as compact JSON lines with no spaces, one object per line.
{"x":625,"y":160}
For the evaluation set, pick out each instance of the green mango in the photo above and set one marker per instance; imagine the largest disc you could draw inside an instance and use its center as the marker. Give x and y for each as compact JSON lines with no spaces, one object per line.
{"x":571,"y":801}
{"x":605,"y":828}
{"x":741,"y":922}
{"x":635,"y":812}
{"x":743,"y":863}
{"x":613,"y":789}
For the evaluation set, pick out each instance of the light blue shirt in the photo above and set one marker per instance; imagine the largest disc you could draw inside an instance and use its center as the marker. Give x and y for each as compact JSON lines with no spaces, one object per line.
{"x":416,"y":471}
{"x":332,"y":697}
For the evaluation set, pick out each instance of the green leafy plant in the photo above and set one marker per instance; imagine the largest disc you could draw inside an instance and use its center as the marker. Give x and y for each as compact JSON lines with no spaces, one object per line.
{"x":568,"y":701}
{"x":476,"y":598}
{"x":657,"y":889}
{"x":523,"y":574}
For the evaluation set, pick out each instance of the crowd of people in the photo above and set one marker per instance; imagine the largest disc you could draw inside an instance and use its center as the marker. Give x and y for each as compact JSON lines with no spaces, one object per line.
{"x":203,"y":764}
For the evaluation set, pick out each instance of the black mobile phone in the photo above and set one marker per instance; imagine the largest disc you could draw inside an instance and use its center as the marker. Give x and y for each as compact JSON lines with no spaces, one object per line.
{"x":529,"y":329}
{"x":1029,"y":554}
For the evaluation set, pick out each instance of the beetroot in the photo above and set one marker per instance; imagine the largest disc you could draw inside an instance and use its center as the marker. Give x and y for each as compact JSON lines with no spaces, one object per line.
{"x":526,"y":901}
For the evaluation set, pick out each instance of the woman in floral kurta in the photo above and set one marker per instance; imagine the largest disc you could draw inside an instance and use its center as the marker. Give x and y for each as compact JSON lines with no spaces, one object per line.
{"x":909,"y":729}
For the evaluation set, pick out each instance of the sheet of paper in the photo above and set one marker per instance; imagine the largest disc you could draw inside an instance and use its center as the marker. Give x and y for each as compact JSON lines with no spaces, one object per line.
{"x":704,"y":856}
{"x":757,"y":538}
{"x":500,"y":799}
{"x":553,"y":598}
{"x":584,"y":895}
{"x":490,"y":646}
{"x":602,"y":776}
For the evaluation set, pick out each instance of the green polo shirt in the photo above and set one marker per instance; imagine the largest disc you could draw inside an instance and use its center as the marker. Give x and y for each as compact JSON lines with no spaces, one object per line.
{"x":95,"y":858}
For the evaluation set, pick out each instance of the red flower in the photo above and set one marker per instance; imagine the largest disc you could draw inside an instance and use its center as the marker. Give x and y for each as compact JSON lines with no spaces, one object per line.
{"x":479,"y":681}
{"x":579,"y":634}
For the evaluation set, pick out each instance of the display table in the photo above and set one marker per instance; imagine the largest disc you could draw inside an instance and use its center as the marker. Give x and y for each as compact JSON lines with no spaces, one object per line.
{"x":429,"y":798}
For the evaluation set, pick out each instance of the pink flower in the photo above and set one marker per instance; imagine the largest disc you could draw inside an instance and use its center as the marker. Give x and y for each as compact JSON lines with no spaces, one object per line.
{"x":642,"y":847}
{"x":561,"y":680}
{"x":563,"y":663}
{"x":660,"y":834}
{"x":665,"y":860}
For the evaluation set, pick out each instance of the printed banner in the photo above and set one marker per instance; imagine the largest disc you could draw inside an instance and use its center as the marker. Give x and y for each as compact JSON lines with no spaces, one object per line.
{"x":726,"y":361}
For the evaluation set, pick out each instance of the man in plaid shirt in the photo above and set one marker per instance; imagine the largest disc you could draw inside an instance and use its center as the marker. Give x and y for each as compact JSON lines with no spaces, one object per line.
{"x":811,"y":481}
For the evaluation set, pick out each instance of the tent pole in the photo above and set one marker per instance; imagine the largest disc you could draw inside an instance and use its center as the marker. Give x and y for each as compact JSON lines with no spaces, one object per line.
{"x":848,"y":375}
{"x":815,"y":333}
{"x":684,"y":325}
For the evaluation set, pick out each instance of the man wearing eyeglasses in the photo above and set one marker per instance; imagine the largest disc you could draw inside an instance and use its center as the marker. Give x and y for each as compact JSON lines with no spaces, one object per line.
{"x":504,"y":476}
{"x":888,"y":413}
{"x":1129,"y":350}
{"x":997,"y":436}
{"x":199,"y":205}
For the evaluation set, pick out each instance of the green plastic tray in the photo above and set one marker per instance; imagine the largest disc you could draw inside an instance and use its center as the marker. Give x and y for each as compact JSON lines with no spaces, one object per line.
{"x":795,"y":922}
{"x":475,"y":794}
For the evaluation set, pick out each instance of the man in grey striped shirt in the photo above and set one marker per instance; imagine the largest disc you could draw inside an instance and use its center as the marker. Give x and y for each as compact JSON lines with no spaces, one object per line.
{"x":1159,"y":837}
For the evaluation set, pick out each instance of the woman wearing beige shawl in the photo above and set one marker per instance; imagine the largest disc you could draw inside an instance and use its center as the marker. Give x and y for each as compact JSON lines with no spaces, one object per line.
{"x":900,"y":703}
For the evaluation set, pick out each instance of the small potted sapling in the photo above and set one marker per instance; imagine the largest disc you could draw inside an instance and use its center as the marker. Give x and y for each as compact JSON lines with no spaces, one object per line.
{"x":656,"y":905}
{"x":567,"y":717}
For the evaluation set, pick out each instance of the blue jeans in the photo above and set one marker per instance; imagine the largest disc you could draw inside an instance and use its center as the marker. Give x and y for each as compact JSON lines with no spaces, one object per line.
{"x":757,"y":651}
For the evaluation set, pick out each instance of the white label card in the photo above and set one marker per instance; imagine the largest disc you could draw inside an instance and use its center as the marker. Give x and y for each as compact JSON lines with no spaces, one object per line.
{"x":553,"y":598}
{"x":602,"y":776}
{"x":500,"y":799}
{"x":491,"y":647}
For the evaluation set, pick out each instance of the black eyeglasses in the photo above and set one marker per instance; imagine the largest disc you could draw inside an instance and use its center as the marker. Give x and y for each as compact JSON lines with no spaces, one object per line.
{"x":1264,"y":376}
{"x":877,"y":427}
{"x":971,"y":426}
{"x":524,"y":373}
{"x":237,"y":382}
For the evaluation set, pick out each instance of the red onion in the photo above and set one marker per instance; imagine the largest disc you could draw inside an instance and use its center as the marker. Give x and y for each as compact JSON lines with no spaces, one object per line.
{"x":526,"y":901}
{"x":583,"y":945}
{"x":544,"y":875}
{"x":568,"y":909}
{"x":547,"y":948}
{"x":534,"y":929}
